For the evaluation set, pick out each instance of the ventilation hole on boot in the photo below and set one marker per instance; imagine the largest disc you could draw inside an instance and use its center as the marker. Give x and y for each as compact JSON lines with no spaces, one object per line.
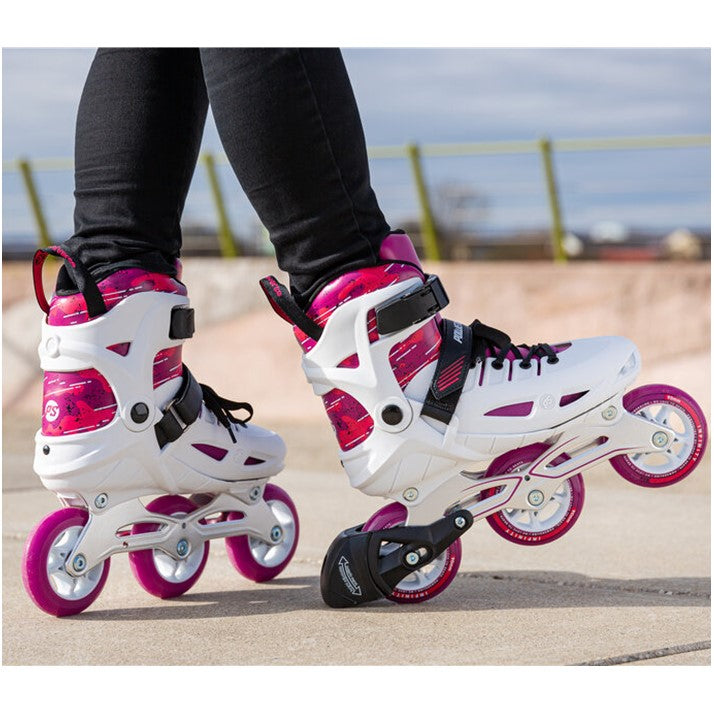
{"x":215,"y":452}
{"x":351,"y":362}
{"x":252,"y":461}
{"x":121,"y":348}
{"x":372,"y":332}
{"x":570,"y":398}
{"x":512,"y":410}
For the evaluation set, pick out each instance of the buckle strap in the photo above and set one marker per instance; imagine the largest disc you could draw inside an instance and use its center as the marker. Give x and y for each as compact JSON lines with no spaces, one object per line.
{"x":182,"y":323}
{"x":412,"y":306}
{"x":181,"y":411}
{"x":451,"y":371}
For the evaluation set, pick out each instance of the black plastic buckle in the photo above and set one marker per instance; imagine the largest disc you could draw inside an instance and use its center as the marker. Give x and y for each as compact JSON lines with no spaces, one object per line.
{"x":412,"y":306}
{"x":181,"y":412}
{"x":182,"y":324}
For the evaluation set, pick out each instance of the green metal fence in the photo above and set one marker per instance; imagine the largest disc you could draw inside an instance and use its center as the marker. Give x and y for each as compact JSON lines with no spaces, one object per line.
{"x":415,"y":154}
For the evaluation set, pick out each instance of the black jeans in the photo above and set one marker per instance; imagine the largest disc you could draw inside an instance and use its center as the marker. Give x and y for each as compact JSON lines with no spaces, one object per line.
{"x":288,"y":121}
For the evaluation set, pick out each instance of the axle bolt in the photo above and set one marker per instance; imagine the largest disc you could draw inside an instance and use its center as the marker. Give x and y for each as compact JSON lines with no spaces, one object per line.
{"x":410,"y":494}
{"x":101,"y":500}
{"x":659,"y":438}
{"x":276,"y":534}
{"x":139,"y":413}
{"x":255,"y":493}
{"x":79,"y":563}
{"x":459,"y":521}
{"x":535,"y":497}
{"x":610,"y":413}
{"x":182,"y":547}
{"x":411,"y":558}
{"x":392,"y":415}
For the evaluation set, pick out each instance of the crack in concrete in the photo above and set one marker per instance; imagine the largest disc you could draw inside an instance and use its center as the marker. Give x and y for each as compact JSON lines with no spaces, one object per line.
{"x":590,"y":584}
{"x":648,"y":654}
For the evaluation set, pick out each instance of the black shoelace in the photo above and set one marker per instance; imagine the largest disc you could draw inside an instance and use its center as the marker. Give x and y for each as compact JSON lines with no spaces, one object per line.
{"x":222,"y":408}
{"x":486,"y":337}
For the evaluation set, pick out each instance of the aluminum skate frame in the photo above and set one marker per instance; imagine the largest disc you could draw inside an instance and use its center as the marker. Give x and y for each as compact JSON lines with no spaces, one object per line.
{"x":106,"y":533}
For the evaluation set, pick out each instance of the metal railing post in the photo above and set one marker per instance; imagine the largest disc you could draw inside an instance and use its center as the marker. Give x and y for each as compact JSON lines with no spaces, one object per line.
{"x":35,"y":204}
{"x":430,"y":237}
{"x":228,"y":246}
{"x":557,"y":234}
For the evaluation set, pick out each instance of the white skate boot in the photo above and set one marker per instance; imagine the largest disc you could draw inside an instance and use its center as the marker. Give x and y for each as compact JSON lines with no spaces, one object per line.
{"x":123,"y":419}
{"x":455,"y":423}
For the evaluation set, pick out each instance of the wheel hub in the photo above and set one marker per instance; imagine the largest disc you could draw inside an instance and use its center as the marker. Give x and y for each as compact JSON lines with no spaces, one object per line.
{"x":536,"y":498}
{"x":70,"y":587}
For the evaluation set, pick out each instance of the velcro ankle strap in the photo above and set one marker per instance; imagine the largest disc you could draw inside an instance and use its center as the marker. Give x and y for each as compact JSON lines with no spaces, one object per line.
{"x":412,"y":306}
{"x":451,"y":371}
{"x":181,"y":412}
{"x":182,"y":323}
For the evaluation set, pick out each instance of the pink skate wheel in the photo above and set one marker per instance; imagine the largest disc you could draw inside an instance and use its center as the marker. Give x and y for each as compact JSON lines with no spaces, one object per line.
{"x":256,"y":559}
{"x":47,"y":582}
{"x":159,"y":573}
{"x":676,"y":410}
{"x":427,"y":582}
{"x":552,"y":520}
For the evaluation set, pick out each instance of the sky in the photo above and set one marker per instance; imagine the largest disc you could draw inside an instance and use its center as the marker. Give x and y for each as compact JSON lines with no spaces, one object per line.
{"x":435,"y":96}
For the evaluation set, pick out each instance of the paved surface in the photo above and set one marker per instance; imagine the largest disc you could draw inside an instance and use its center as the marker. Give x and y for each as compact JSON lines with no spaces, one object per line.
{"x":629,"y":585}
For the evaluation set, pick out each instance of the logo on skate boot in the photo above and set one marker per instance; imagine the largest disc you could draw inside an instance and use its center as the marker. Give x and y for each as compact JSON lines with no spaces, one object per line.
{"x":52,"y":410}
{"x":459,"y":332}
{"x":547,"y":401}
{"x":347,"y":578}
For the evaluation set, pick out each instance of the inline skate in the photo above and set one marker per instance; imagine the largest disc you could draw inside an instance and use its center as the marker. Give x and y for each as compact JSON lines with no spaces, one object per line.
{"x":454,"y":423}
{"x":123,"y":419}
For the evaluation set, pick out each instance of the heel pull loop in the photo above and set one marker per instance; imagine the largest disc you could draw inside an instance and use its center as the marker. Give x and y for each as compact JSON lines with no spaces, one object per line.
{"x":284,"y":304}
{"x":81,"y":276}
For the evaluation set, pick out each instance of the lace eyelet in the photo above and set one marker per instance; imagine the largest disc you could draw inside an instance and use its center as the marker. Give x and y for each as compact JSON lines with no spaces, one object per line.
{"x":497,"y":365}
{"x":524,"y":365}
{"x":553,"y":360}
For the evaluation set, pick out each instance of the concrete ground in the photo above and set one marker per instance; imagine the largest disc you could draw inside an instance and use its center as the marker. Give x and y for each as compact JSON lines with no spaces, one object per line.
{"x":629,"y":585}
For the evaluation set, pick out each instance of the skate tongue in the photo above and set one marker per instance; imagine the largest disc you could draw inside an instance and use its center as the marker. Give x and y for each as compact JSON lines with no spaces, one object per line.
{"x":285,"y":306}
{"x":397,"y":247}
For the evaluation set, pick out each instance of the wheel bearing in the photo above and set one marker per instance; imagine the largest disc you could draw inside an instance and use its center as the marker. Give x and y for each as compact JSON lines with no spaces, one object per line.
{"x":660,"y":439}
{"x":79,"y":563}
{"x":536,"y":497}
{"x":411,"y":559}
